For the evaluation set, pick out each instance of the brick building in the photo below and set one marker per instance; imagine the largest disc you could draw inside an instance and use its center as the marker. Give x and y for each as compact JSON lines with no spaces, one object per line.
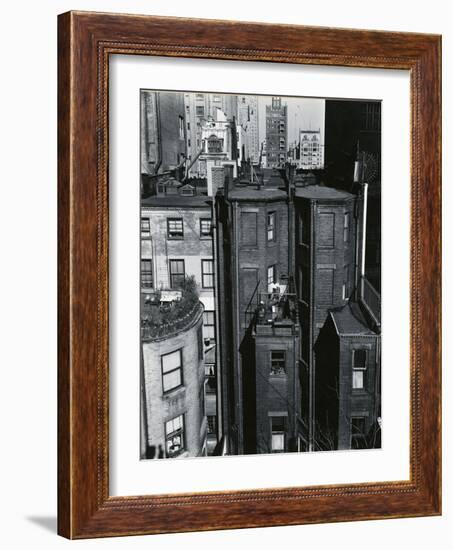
{"x":289,"y":269}
{"x":324,"y":270}
{"x":347,"y":399}
{"x":260,"y":380}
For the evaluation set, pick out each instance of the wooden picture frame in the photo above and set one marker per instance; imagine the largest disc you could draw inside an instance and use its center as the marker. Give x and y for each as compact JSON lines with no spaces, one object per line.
{"x":85,"y":41}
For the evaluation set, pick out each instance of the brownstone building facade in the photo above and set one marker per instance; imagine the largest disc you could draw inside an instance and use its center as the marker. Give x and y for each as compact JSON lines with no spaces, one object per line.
{"x":260,"y":332}
{"x":300,"y":329}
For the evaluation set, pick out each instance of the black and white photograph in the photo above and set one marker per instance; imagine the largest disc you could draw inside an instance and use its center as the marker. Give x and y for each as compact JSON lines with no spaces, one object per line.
{"x":260,"y":274}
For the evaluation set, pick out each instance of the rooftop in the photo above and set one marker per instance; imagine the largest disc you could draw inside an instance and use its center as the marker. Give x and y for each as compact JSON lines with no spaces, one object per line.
{"x":163,"y":319}
{"x":350,"y":320}
{"x":321,"y":192}
{"x":179,"y":201}
{"x":252,"y":193}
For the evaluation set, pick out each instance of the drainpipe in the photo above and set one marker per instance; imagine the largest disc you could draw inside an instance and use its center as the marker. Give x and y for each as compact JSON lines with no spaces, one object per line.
{"x":364,"y":218}
{"x":239,"y":396}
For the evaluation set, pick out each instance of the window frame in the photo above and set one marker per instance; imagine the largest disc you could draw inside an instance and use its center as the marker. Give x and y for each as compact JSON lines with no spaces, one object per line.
{"x":356,"y":370}
{"x":210,"y":377}
{"x":144,"y":272}
{"x":204,"y":274}
{"x":346,"y":227}
{"x":271,"y":226}
{"x":278,"y":432}
{"x":275,"y":360}
{"x":179,"y":432}
{"x":209,"y":325}
{"x":172,"y":274}
{"x":211,"y":421}
{"x":145,"y":231}
{"x":203,"y":234}
{"x":175,"y":237}
{"x":179,"y":368}
{"x":272,"y":267}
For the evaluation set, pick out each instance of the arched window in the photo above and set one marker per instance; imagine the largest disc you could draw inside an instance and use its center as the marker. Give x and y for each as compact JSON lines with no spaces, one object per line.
{"x":215,"y":144}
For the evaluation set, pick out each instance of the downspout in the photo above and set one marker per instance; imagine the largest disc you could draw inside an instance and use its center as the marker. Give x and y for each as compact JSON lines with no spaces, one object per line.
{"x":237,"y":333}
{"x":365,"y":205}
{"x":159,"y":134}
{"x":311,"y":404}
{"x":219,"y":344}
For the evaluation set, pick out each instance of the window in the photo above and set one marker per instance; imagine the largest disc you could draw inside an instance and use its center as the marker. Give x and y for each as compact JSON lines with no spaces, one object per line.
{"x":212,"y":424}
{"x":205,"y":228}
{"x":278,"y":434}
{"x":209,"y":324}
{"x":271,"y":226}
{"x":174,"y":436}
{"x":346,"y":227}
{"x":278,"y":363}
{"x":359,"y":357}
{"x":145,"y":227}
{"x":172,"y":370}
{"x":358,"y":440}
{"x":209,"y":371}
{"x":147,"y":273}
{"x":181,"y":127}
{"x":199,"y":110}
{"x":175,"y":228}
{"x":271,"y":275}
{"x":207,"y":273}
{"x":177,"y":273}
{"x":371,"y":116}
{"x":215,"y":144}
{"x":346,"y":282}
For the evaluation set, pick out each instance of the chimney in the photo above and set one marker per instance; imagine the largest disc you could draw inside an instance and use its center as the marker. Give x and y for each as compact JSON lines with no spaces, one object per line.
{"x":217,"y":176}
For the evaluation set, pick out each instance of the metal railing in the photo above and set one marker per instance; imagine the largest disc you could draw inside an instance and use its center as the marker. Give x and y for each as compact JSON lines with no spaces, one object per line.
{"x":165,"y":330}
{"x":276,"y":306}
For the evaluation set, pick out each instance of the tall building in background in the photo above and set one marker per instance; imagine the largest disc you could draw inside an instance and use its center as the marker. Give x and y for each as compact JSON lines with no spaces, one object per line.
{"x":163,"y":138}
{"x":199,"y":109}
{"x":247,"y":107}
{"x":310,"y":150}
{"x":276,"y":133}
